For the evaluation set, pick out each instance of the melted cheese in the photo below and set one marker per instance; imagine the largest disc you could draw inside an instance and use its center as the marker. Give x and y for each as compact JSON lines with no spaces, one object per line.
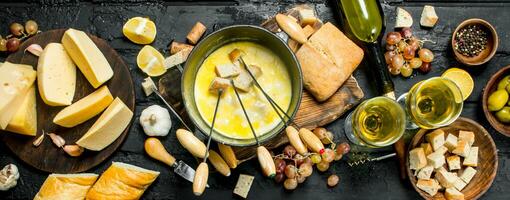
{"x":230,"y":120}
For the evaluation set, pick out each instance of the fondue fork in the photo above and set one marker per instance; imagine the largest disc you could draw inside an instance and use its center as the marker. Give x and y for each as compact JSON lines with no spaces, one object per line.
{"x":202,"y":172}
{"x":265,"y":160}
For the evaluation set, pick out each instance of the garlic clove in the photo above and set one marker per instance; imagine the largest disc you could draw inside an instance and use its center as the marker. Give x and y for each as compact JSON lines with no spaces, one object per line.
{"x":35,"y":49}
{"x":57,"y":140}
{"x":38,"y":141}
{"x":73,"y":150}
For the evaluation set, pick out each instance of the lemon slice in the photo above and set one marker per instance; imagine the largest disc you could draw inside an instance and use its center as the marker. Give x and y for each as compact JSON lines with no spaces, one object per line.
{"x":150,"y":61}
{"x":462,"y":79}
{"x":140,"y":30}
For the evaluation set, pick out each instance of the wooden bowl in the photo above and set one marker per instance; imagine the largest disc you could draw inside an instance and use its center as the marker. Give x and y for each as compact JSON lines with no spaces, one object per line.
{"x":491,"y":86}
{"x":487,"y":159}
{"x":487,"y":53}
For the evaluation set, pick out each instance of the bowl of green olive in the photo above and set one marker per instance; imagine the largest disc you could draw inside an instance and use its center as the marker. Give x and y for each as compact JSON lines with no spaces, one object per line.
{"x":495,"y":101}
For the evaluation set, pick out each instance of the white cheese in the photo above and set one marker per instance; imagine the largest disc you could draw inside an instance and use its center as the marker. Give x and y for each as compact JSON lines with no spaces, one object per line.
{"x":428,"y":16}
{"x":404,"y":19}
{"x":243,"y":185}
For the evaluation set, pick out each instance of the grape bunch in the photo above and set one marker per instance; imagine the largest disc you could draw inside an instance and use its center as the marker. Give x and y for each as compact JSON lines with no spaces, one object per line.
{"x":293,"y":168}
{"x":18,"y":33}
{"x":405,"y":52}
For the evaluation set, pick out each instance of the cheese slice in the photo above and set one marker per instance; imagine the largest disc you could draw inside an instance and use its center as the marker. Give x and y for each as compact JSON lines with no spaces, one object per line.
{"x":108,"y":127}
{"x":56,"y":76}
{"x":25,"y":120}
{"x":15,"y":80}
{"x":84,"y":109}
{"x":87,"y":57}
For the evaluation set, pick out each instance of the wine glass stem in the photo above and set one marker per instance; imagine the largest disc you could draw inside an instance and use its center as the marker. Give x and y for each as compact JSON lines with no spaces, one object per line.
{"x":410,"y":125}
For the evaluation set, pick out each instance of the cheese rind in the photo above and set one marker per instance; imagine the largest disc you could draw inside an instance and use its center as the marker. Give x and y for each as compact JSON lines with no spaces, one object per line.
{"x":108,"y":127}
{"x":15,"y":80}
{"x":25,"y":120}
{"x":87,"y":56}
{"x":84,"y":109}
{"x":56,"y":76}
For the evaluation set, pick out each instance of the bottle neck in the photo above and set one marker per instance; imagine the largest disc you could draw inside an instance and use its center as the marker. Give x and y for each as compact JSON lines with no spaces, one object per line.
{"x":377,"y":63}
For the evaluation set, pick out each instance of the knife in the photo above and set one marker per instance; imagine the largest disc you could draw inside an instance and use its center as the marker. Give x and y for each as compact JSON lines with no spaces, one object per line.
{"x":156,"y":150}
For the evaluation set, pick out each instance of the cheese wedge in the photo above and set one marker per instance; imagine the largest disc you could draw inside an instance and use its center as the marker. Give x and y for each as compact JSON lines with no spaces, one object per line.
{"x":25,"y":120}
{"x":15,"y":80}
{"x":84,"y":109}
{"x":56,"y":76}
{"x":108,"y":127}
{"x":87,"y":57}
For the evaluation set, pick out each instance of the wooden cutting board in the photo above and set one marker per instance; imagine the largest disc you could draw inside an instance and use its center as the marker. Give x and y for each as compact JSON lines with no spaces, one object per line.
{"x":47,"y":157}
{"x":310,"y":114}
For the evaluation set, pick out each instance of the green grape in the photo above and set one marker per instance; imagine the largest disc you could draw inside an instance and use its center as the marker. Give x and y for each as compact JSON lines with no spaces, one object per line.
{"x":406,"y":70}
{"x":323,"y":166}
{"x":328,"y":155}
{"x":415,"y":63}
{"x":316,"y":158}
{"x":426,"y":55}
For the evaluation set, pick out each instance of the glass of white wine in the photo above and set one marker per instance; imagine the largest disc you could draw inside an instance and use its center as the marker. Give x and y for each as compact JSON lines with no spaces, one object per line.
{"x":432,"y":103}
{"x":376,"y":122}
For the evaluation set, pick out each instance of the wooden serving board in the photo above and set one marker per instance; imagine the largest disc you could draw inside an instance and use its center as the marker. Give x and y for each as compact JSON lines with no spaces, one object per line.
{"x":310,"y":114}
{"x":47,"y":157}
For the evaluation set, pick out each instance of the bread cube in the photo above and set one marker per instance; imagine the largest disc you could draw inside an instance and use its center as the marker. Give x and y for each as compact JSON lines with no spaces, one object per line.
{"x":463,"y":148}
{"x":459,"y":184}
{"x":243,"y":81}
{"x":218,"y":84}
{"x":453,"y":162}
{"x":451,"y":142}
{"x":453,"y":194}
{"x":148,"y":86}
{"x":255,"y":70}
{"x":468,"y":174}
{"x":436,"y":159}
{"x":425,"y":172}
{"x":306,"y":17}
{"x":445,"y":178}
{"x":227,"y":70}
{"x":417,"y":159}
{"x":427,"y":148}
{"x":472,"y":159}
{"x":436,"y":138}
{"x":428,"y":16}
{"x":441,"y":150}
{"x":467,"y":136}
{"x":429,"y":186}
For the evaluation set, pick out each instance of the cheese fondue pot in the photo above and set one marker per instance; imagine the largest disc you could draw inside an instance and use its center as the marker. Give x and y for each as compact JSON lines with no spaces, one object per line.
{"x":225,"y":36}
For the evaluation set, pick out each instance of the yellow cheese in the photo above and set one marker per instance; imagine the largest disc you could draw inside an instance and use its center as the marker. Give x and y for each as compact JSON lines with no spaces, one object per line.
{"x":87,"y":57}
{"x":85,"y":108}
{"x":108,"y":127}
{"x":56,"y":76}
{"x":25,"y":120}
{"x":15,"y":80}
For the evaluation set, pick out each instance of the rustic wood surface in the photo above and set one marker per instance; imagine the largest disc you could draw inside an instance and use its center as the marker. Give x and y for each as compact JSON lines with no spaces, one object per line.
{"x":487,"y":159}
{"x":377,"y":180}
{"x":491,"y":87}
{"x":47,"y":157}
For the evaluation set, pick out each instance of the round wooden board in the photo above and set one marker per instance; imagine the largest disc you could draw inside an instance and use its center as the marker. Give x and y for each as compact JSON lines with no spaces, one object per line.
{"x":47,"y":157}
{"x":487,"y":158}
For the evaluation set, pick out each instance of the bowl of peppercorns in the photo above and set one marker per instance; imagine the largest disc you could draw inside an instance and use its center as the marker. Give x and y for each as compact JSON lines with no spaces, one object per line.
{"x":474,"y":42}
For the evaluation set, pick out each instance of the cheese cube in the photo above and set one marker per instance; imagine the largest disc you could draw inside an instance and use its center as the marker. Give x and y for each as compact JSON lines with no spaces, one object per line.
{"x":429,"y":186}
{"x":426,"y":172}
{"x":218,"y":83}
{"x":56,"y":76}
{"x":89,"y":59}
{"x":462,"y":149}
{"x":445,"y":178}
{"x":436,"y":159}
{"x":227,"y":70}
{"x":243,"y":185}
{"x":108,"y":127}
{"x":472,"y":159}
{"x":306,"y":17}
{"x":417,"y":159}
{"x":428,"y":16}
{"x":15,"y":81}
{"x":178,"y":58}
{"x":467,"y":136}
{"x":468,"y":174}
{"x":148,"y":86}
{"x":436,"y":138}
{"x":427,"y":148}
{"x":404,"y":19}
{"x":453,"y":194}
{"x":459,"y":184}
{"x":453,"y":162}
{"x":451,"y":142}
{"x":25,"y":120}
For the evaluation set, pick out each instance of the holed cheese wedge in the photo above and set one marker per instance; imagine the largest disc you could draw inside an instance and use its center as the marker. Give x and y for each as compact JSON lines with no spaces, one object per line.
{"x":87,"y":57}
{"x":15,"y":80}
{"x":25,"y":120}
{"x":108,"y":127}
{"x":56,"y":76}
{"x":84,"y":109}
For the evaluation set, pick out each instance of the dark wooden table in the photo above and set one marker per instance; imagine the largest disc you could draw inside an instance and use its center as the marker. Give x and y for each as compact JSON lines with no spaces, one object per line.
{"x":380,"y":180}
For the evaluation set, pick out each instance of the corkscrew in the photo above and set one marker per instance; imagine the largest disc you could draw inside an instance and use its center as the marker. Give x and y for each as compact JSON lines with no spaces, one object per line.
{"x":369,"y":159}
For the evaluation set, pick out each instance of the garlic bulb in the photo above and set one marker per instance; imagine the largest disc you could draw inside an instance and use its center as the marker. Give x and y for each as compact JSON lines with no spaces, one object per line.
{"x":8,"y":177}
{"x":155,"y":121}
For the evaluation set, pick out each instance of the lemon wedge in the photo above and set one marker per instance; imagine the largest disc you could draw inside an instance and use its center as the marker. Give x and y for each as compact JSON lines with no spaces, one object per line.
{"x":140,"y":30}
{"x":150,"y":61}
{"x":462,"y":79}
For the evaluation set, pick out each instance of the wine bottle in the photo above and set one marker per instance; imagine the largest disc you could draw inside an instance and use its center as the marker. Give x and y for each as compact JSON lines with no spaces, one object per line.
{"x":365,"y":21}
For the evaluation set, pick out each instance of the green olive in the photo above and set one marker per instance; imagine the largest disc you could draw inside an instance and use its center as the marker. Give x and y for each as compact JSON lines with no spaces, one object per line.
{"x":504,"y":115}
{"x":497,"y":100}
{"x":504,"y":82}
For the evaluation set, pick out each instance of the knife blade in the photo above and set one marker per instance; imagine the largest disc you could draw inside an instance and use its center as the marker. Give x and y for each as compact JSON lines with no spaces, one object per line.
{"x":185,"y":171}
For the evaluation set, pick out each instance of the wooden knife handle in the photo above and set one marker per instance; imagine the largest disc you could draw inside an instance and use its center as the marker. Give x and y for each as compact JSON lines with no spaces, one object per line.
{"x":156,"y":150}
{"x":266,"y":161}
{"x":200,"y":179}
